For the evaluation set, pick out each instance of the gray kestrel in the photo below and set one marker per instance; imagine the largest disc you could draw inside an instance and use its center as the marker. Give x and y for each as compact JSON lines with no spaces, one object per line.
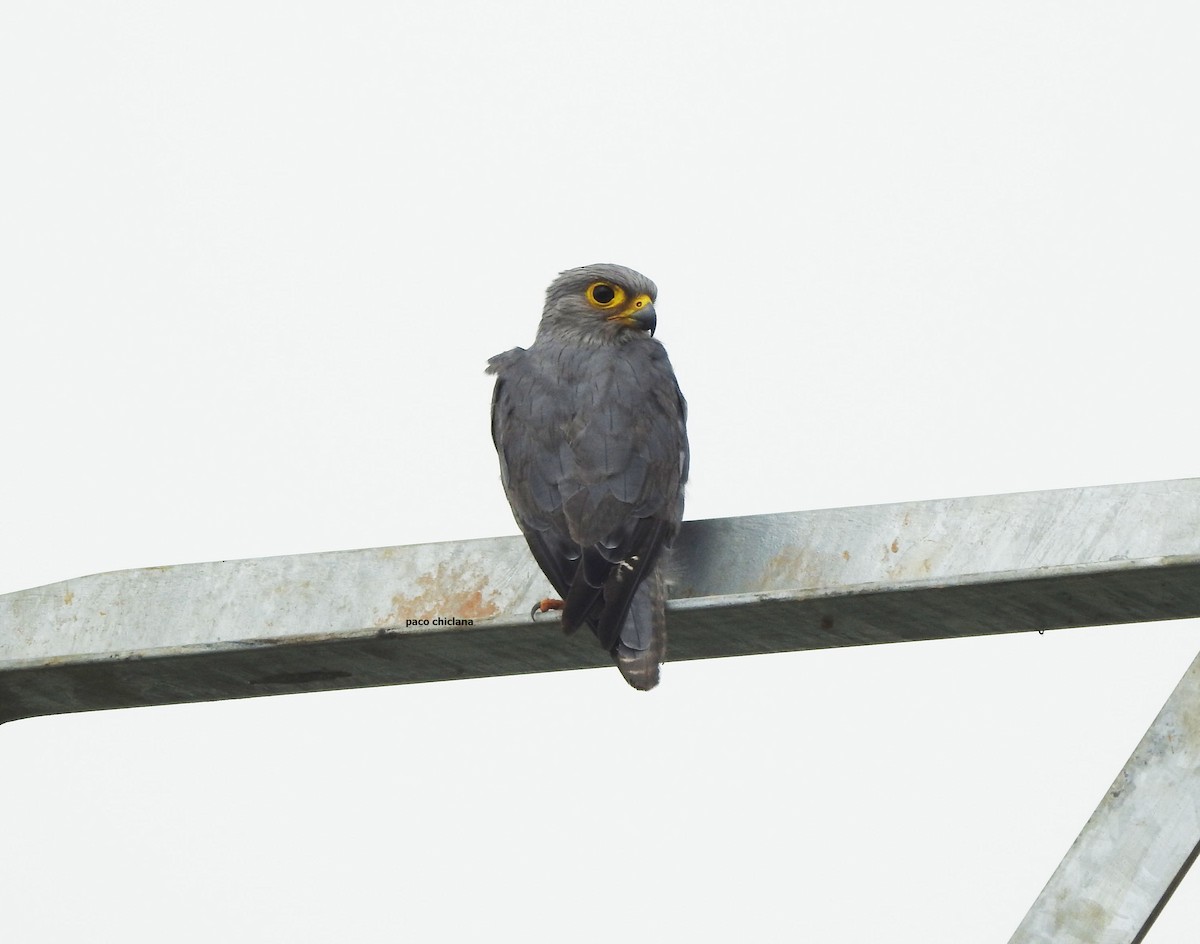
{"x":589,"y":425}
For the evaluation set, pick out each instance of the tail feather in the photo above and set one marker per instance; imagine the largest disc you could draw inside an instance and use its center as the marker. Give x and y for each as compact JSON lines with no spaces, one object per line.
{"x":643,"y":642}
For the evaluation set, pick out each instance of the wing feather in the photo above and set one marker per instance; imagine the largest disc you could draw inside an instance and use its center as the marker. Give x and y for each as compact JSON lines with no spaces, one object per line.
{"x":594,"y":457}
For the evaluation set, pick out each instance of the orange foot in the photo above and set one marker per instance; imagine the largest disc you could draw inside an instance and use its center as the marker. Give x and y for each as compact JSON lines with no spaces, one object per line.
{"x":545,"y":606}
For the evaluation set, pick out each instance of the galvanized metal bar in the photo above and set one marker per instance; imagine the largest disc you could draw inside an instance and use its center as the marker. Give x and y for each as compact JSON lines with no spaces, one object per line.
{"x":1137,"y":846}
{"x":766,"y":583}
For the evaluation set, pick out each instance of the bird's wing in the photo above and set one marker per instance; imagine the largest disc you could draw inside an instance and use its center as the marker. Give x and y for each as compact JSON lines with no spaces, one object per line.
{"x":628,"y":462}
{"x":522,"y":431}
{"x":593,"y":460}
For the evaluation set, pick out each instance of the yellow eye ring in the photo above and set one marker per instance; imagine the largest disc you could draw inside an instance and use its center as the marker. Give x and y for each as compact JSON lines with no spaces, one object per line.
{"x":604,"y":296}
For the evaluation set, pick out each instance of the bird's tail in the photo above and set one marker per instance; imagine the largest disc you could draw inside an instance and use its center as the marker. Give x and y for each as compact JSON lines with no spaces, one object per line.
{"x":643,"y":643}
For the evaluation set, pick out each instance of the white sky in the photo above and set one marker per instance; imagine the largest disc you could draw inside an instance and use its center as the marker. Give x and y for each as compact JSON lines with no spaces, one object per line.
{"x":255,"y":256}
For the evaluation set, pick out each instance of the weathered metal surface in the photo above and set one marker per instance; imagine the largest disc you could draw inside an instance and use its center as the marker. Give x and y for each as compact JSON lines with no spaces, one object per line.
{"x":1139,"y":843}
{"x":766,"y":583}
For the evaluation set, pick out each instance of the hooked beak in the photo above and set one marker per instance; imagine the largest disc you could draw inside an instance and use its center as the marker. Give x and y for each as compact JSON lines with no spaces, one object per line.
{"x":645,"y":319}
{"x":640,"y":315}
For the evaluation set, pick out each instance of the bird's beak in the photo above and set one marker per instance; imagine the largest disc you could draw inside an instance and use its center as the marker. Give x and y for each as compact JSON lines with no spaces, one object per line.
{"x":645,"y":319}
{"x":639,"y":314}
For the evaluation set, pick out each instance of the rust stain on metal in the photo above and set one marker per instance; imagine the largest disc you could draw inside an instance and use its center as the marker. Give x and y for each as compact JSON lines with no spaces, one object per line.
{"x":446,"y":593}
{"x":792,"y":565}
{"x":910,"y":566}
{"x":289,"y":588}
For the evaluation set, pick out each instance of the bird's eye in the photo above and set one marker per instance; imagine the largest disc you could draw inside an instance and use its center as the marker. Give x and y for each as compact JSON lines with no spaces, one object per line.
{"x":603,"y":293}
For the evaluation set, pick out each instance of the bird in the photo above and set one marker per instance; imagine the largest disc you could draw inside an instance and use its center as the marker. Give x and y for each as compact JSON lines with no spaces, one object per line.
{"x":590,"y":428}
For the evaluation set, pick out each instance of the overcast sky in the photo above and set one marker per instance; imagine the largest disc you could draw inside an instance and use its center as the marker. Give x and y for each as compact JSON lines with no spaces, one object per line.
{"x":254,"y":259}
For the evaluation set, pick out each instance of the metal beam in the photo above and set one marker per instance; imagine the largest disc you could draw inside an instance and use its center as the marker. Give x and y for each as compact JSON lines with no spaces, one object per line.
{"x":1138,"y":845}
{"x":766,"y":583}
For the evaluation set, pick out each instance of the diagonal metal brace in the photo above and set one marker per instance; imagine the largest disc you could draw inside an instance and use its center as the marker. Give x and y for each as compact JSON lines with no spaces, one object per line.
{"x":1137,"y":846}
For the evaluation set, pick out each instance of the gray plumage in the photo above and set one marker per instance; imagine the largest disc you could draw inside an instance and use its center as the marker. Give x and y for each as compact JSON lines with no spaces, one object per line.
{"x":589,"y":425}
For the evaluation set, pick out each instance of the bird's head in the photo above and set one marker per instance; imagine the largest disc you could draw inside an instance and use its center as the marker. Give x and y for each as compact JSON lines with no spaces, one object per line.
{"x":600,"y":302}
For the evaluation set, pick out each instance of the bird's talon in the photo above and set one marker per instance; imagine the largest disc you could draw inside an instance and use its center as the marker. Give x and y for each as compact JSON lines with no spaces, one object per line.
{"x":544,"y":606}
